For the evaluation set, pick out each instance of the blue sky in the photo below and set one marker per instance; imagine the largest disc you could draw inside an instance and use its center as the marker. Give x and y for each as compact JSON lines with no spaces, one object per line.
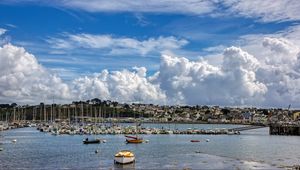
{"x":74,"y":38}
{"x":31,"y":24}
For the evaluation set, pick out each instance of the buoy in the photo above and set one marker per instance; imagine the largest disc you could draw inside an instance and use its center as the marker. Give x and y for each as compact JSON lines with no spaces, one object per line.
{"x":104,"y":141}
{"x":14,"y":140}
{"x":146,"y":141}
{"x":1,"y":149}
{"x":207,"y":140}
{"x":96,"y":151}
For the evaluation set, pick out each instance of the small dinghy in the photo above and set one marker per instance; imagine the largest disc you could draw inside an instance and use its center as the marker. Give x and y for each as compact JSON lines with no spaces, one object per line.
{"x":124,"y":157}
{"x":195,"y":140}
{"x":94,"y":141}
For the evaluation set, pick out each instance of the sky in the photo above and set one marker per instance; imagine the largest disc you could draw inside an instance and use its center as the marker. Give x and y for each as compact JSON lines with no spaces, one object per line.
{"x":167,"y":52}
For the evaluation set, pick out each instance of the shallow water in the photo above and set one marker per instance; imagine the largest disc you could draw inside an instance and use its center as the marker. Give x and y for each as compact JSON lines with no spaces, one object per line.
{"x":254,"y":149}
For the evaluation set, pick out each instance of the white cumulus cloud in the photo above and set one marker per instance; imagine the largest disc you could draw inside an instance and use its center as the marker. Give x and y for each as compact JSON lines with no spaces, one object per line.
{"x":23,"y":79}
{"x":275,"y":67}
{"x":264,"y":71}
{"x":122,"y":86}
{"x":233,"y":83}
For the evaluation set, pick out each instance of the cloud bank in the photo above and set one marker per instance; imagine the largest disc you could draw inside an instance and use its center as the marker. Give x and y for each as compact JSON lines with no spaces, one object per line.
{"x":264,"y":71}
{"x":267,"y":78}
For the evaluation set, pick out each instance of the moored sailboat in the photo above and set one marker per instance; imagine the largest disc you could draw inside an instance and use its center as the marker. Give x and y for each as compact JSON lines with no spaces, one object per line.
{"x":134,"y":139}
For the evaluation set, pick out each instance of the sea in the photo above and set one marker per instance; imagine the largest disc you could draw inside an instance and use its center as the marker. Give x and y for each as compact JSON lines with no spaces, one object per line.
{"x":252,"y":149}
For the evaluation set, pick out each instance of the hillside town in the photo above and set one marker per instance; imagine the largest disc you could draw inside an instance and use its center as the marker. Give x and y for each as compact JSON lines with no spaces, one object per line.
{"x":111,"y":111}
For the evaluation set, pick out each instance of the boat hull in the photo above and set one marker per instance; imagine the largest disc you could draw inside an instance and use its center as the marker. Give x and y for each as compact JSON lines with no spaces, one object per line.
{"x":195,"y":140}
{"x":124,"y":160}
{"x":91,"y":142}
{"x":134,"y":140}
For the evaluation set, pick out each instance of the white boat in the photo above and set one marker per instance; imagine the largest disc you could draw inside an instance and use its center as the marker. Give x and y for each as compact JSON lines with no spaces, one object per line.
{"x":230,"y":133}
{"x":32,"y":125}
{"x":124,"y":157}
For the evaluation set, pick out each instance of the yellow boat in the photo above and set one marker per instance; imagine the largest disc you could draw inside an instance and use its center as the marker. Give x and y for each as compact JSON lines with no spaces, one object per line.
{"x":124,"y":157}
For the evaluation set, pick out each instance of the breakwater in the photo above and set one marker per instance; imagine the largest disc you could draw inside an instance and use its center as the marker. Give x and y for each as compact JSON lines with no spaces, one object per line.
{"x":92,"y":129}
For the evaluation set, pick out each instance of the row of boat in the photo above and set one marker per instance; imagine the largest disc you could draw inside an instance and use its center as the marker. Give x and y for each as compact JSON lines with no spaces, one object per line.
{"x":58,"y":129}
{"x":123,"y":156}
{"x":126,"y":156}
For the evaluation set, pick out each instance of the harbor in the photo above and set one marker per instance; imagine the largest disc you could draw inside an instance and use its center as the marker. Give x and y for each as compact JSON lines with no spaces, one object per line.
{"x":34,"y":150}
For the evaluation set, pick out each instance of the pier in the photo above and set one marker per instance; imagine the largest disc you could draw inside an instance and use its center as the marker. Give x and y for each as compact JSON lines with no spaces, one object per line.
{"x":274,"y":128}
{"x":285,"y":129}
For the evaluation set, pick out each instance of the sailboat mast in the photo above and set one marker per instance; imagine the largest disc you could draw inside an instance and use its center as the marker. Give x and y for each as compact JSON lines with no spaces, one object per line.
{"x":81,"y":111}
{"x":51,"y":114}
{"x":45,"y":113}
{"x":14,"y":114}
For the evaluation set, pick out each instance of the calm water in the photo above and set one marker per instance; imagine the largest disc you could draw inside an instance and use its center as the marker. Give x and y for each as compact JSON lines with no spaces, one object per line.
{"x":252,"y":149}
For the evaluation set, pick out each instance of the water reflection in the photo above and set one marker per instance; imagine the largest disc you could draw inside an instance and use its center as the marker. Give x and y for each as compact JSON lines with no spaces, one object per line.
{"x":130,"y":166}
